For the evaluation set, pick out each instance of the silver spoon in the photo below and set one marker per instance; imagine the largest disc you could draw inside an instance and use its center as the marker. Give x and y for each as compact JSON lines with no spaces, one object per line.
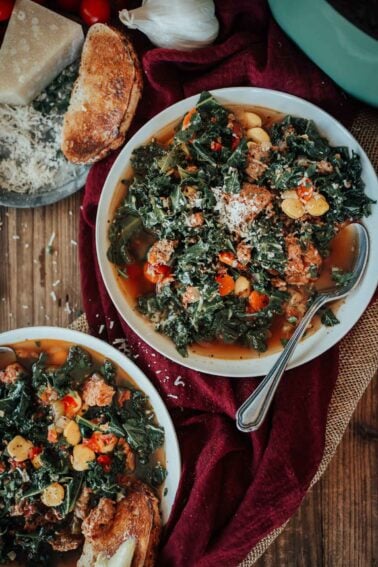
{"x":252,"y":412}
{"x":7,"y":356}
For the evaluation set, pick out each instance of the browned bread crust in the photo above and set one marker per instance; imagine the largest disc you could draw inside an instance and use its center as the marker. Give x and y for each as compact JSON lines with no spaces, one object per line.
{"x":109,"y":525}
{"x":104,"y":98}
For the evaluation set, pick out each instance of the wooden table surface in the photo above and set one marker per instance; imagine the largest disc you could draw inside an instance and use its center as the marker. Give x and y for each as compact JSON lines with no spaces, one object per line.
{"x":336,"y":525}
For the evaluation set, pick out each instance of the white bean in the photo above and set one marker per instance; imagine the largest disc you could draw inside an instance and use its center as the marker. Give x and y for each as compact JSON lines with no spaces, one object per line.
{"x":252,"y":120}
{"x":242,"y":287}
{"x":292,"y":208}
{"x":53,"y":495}
{"x":19,"y":447}
{"x":81,"y":457}
{"x":258,"y":135}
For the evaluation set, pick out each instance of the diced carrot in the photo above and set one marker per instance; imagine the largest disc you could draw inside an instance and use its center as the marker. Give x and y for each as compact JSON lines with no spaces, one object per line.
{"x":155,"y":273}
{"x":56,"y":356}
{"x":257,"y":301}
{"x":187,"y":118}
{"x":226,"y":284}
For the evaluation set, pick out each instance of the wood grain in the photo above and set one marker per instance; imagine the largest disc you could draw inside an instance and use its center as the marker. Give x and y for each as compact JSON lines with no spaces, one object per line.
{"x":337,"y":523}
{"x":39,"y":285}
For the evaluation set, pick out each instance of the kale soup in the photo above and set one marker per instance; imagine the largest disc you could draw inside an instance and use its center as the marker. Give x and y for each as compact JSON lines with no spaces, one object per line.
{"x":77,"y":434}
{"x":228,"y":222}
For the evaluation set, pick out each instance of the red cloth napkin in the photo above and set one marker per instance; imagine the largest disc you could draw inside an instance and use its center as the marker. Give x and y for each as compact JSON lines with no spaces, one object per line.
{"x":235,"y":488}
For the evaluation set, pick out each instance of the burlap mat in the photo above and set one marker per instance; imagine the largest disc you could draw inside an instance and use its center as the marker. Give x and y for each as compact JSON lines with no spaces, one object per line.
{"x":358,"y":351}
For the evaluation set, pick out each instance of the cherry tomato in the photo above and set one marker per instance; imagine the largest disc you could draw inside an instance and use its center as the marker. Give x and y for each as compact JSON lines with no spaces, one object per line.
{"x":69,"y":5}
{"x":94,"y":11}
{"x":105,"y":461}
{"x":6,"y":7}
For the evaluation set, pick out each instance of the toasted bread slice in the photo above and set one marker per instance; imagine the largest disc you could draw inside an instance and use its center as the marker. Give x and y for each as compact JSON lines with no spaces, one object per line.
{"x":134,"y":521}
{"x":104,"y":98}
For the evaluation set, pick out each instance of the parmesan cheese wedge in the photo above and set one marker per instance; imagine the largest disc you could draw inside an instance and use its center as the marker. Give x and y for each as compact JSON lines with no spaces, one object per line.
{"x":37,"y":46}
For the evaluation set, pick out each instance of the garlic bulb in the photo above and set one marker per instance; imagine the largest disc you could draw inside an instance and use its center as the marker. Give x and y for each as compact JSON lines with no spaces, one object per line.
{"x":175,"y":24}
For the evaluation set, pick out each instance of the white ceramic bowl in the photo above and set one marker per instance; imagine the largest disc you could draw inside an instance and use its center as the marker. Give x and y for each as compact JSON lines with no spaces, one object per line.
{"x":348,"y":313}
{"x":172,"y":452}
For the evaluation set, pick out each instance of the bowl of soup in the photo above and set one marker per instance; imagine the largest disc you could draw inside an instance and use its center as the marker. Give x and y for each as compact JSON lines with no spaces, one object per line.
{"x":222,"y":218}
{"x":85,"y":436}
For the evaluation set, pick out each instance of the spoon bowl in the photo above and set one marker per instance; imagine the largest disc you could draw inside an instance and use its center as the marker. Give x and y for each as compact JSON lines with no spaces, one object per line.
{"x":252,"y":412}
{"x":7,"y":356}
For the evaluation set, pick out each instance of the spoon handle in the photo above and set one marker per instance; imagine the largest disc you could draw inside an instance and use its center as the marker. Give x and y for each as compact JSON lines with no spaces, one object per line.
{"x":252,"y":412}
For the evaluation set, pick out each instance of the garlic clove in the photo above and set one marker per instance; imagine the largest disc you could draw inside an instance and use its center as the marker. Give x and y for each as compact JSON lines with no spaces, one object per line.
{"x":176,"y":25}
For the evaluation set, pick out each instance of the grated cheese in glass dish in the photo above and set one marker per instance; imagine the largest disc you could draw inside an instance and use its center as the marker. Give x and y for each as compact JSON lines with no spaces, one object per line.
{"x":31,"y":162}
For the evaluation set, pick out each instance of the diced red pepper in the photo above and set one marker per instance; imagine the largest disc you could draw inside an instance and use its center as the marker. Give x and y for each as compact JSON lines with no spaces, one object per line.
{"x":69,"y":403}
{"x":99,"y":441}
{"x":237,"y":133}
{"x":34,"y":451}
{"x":155,"y":273}
{"x":216,"y":146}
{"x":105,"y":461}
{"x":306,"y":189}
